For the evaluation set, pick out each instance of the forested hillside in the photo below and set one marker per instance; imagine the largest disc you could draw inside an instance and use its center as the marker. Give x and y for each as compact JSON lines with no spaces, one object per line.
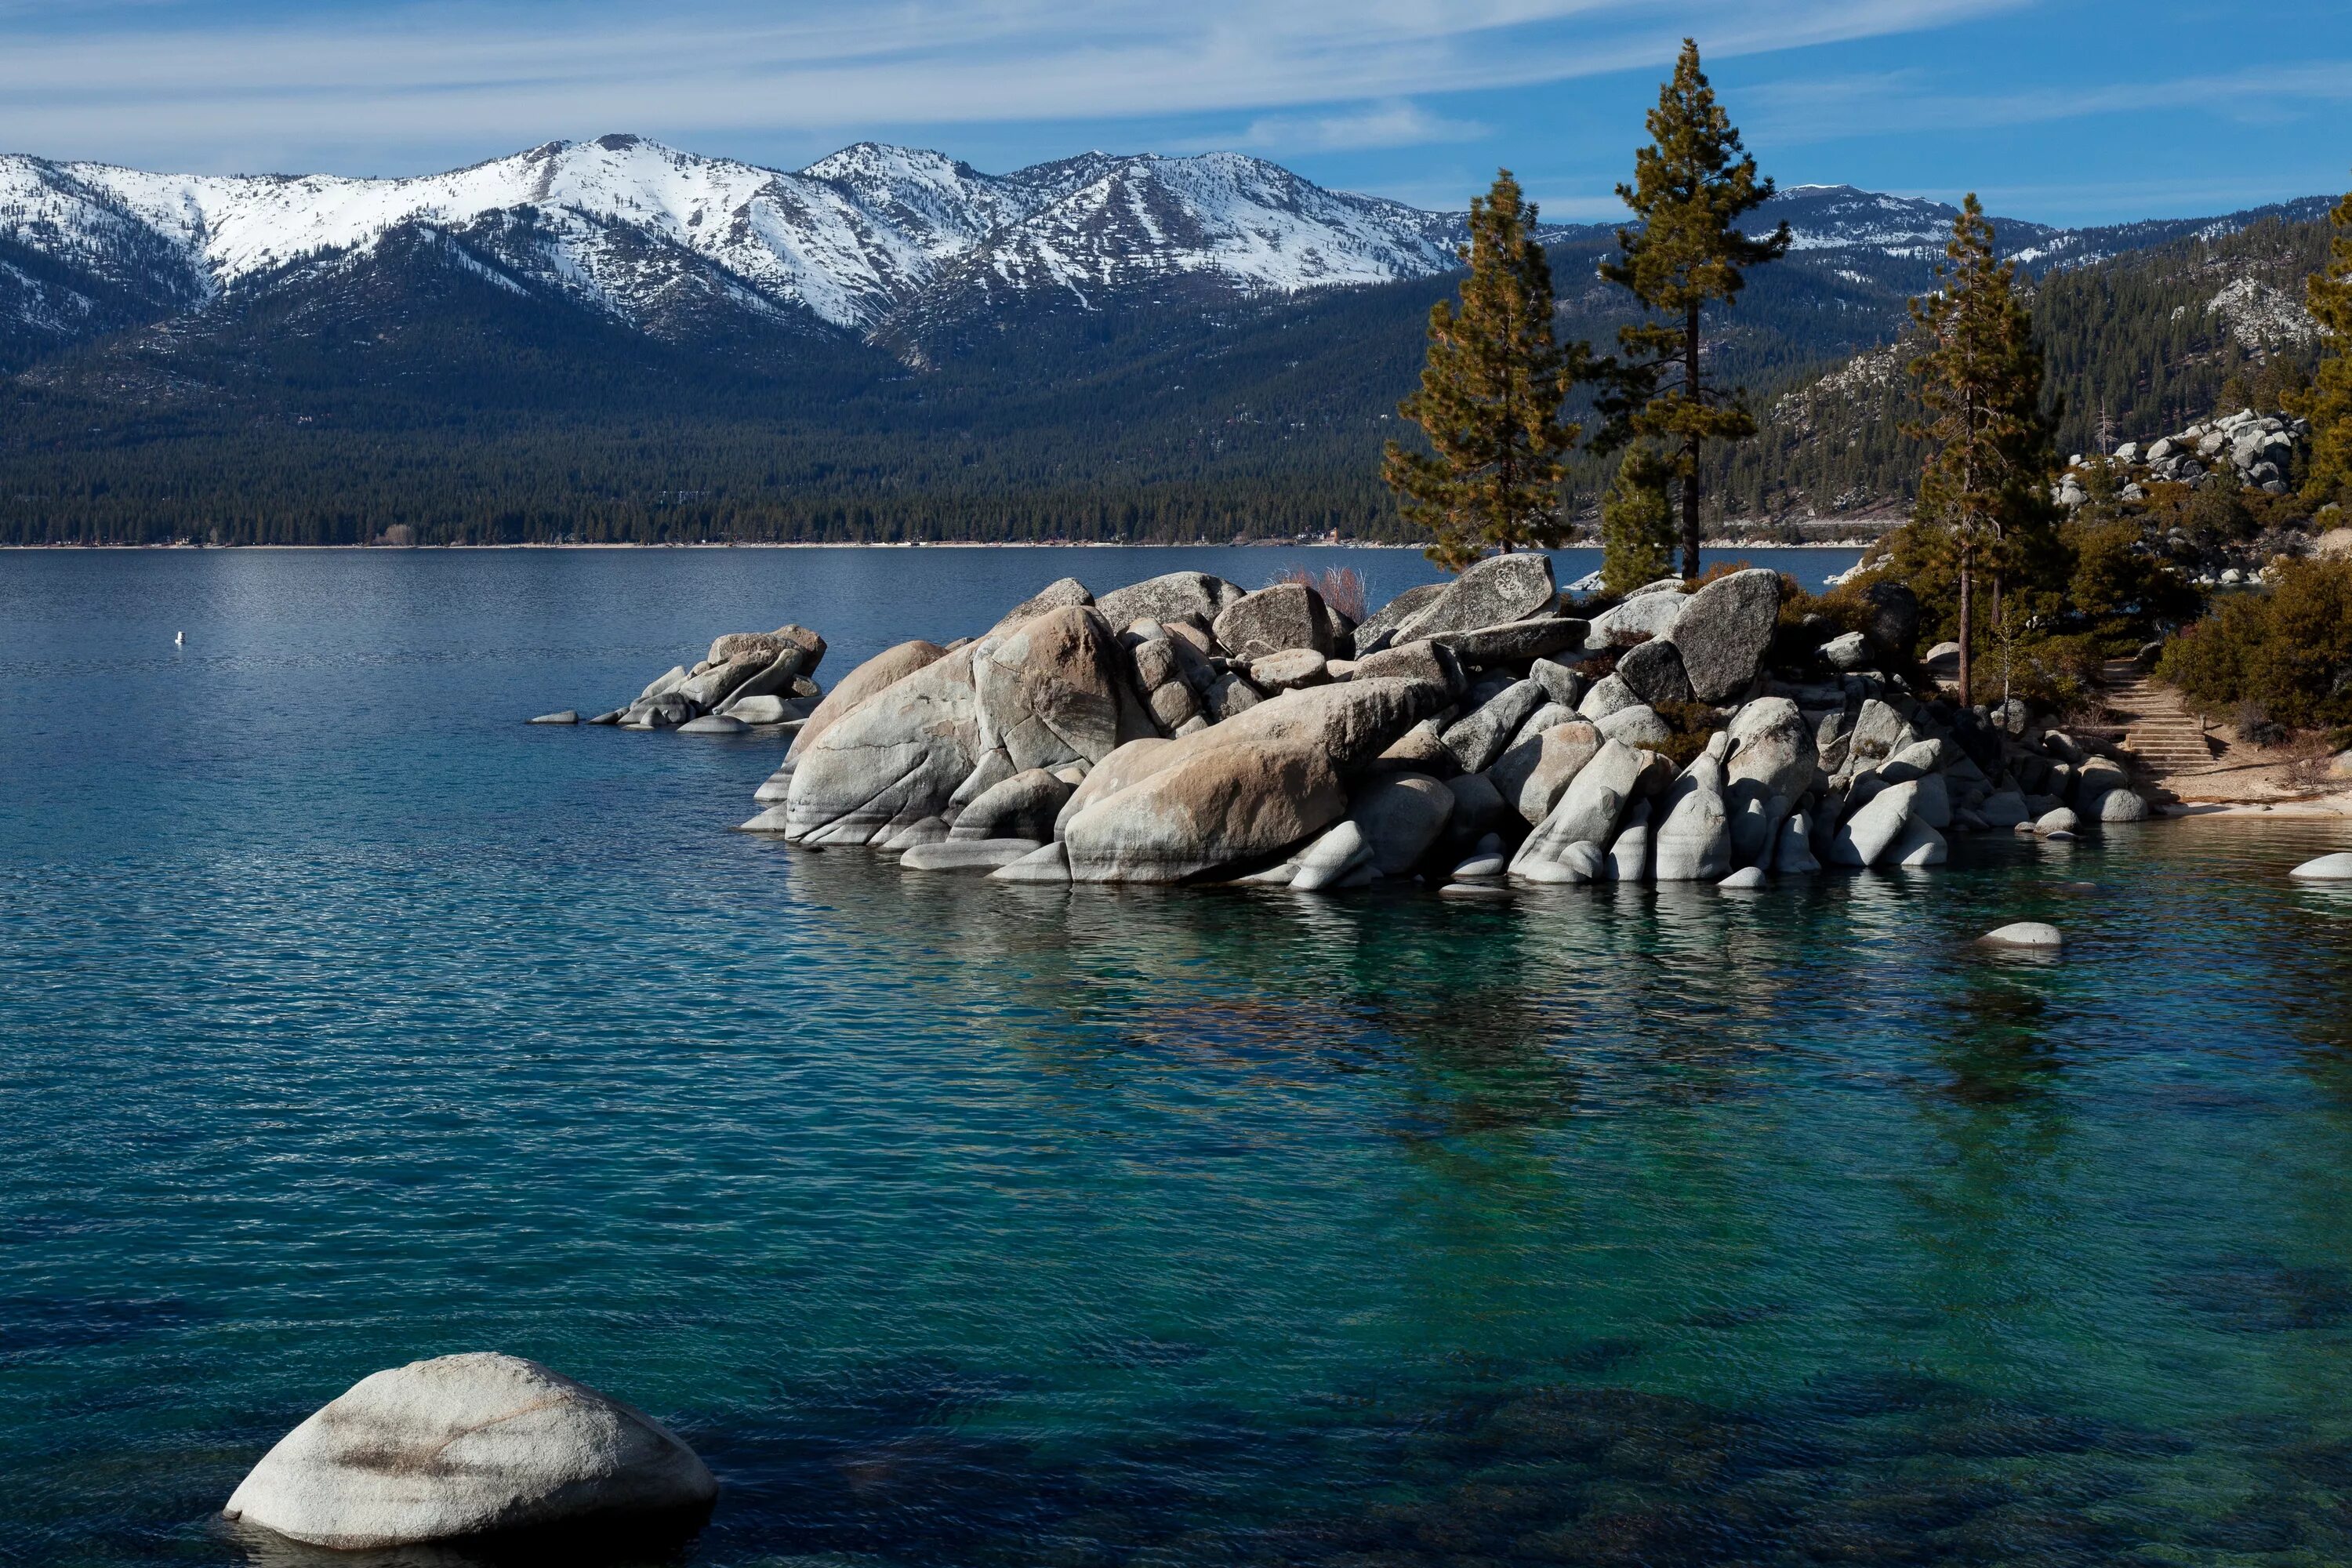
{"x":2136,"y":346}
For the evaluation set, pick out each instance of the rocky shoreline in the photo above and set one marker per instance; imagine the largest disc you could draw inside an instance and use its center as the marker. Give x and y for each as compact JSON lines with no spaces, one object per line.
{"x":1472,"y":735}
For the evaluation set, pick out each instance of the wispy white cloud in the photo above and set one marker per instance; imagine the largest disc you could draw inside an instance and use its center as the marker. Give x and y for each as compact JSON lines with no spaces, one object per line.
{"x":491,"y":77}
{"x":1397,"y":124}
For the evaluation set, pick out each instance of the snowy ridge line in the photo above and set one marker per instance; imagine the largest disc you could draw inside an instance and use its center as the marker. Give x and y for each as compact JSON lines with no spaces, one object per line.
{"x":850,"y":239}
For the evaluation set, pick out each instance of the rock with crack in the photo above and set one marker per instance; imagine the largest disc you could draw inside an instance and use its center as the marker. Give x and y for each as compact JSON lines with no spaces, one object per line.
{"x":876,"y":675}
{"x":1477,"y":739}
{"x":1401,"y":817}
{"x":1379,"y":629}
{"x":1022,"y":806}
{"x":1053,"y":690}
{"x":896,"y":758}
{"x":1772,"y":758}
{"x":1724,"y":632}
{"x":1176,"y":596}
{"x":1494,"y":592}
{"x":1537,"y":768}
{"x":1653,"y":671}
{"x":1064,"y":594}
{"x":1589,"y":808}
{"x":735,"y":644}
{"x":1693,"y":834}
{"x":1249,"y":789}
{"x":1516,"y":642}
{"x":1274,"y":620}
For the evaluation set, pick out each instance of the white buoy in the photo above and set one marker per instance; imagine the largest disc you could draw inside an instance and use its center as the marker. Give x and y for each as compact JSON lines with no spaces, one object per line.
{"x":179,"y":640}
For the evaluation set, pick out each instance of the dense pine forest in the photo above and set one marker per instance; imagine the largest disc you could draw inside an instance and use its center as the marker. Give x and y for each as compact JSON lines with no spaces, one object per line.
{"x":411,"y":401}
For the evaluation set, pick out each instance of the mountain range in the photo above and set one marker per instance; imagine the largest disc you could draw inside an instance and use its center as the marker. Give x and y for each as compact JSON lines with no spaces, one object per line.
{"x":1098,"y":333}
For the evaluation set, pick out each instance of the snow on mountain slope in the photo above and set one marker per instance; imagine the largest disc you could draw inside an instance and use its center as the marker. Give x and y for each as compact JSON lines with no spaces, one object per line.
{"x":849,"y":240}
{"x":1842,"y":217}
{"x":874,"y":240}
{"x":1242,"y":219}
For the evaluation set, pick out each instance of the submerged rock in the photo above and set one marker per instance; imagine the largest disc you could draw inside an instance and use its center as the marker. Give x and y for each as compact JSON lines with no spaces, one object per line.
{"x":2023,"y":933}
{"x":1047,"y":863}
{"x":967,"y":854}
{"x":569,"y":716}
{"x":464,"y":1445}
{"x":2336,"y":868}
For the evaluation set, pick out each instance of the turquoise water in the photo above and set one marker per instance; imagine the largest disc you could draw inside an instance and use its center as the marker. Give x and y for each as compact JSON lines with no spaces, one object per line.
{"x":347,"y":1020}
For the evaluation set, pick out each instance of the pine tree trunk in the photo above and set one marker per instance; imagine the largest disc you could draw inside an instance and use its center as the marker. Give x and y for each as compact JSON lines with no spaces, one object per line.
{"x":1690,"y":450}
{"x":1967,"y":618}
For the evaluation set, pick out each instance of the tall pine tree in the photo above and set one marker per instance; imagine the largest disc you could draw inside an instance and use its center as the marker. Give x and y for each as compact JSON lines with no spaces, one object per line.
{"x":1691,"y":187}
{"x":2328,"y":404}
{"x":1986,"y":488}
{"x":1490,"y":397}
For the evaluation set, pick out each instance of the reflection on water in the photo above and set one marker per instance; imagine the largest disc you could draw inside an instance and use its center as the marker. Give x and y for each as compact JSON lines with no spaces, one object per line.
{"x":963,"y":1225}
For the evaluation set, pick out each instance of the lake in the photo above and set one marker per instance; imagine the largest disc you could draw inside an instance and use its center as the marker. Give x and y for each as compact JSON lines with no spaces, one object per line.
{"x":348,"y":1020}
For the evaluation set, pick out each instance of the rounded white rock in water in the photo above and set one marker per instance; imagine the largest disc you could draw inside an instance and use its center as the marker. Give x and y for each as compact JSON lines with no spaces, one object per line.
{"x":1747,"y":877}
{"x":463,"y":1446}
{"x":2336,"y":867}
{"x":2025,"y":933}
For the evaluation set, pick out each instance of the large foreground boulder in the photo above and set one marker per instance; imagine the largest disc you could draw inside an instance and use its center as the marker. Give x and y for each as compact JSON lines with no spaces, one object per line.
{"x":1177,"y":596}
{"x":1060,"y":594}
{"x":1054,"y":690}
{"x":1725,"y":630}
{"x":1491,"y":593}
{"x":1285,"y":615}
{"x":897,"y":757}
{"x":1589,"y":808}
{"x":877,"y":674}
{"x":1379,"y":629}
{"x":467,"y":1445}
{"x":1247,"y":789}
{"x":1048,"y":693}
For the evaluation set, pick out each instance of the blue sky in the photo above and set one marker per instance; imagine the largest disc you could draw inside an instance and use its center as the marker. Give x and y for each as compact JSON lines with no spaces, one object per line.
{"x":2089,"y":111}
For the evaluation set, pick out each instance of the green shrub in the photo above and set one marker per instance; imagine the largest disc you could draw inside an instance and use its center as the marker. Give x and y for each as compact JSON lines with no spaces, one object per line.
{"x":2129,"y":595}
{"x":2286,"y":653}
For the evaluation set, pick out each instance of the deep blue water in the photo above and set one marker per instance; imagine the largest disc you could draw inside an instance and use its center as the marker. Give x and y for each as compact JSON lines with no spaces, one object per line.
{"x":344,"y":1019}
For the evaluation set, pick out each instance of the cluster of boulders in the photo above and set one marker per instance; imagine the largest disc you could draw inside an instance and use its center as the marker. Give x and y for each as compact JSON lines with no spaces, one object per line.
{"x":1470,"y":733}
{"x":2256,"y":450}
{"x":748,"y":680}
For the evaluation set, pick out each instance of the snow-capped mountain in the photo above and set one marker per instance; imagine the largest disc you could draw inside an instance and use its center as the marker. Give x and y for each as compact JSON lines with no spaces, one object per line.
{"x":1833,"y":218}
{"x":907,"y":249}
{"x":624,"y":223}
